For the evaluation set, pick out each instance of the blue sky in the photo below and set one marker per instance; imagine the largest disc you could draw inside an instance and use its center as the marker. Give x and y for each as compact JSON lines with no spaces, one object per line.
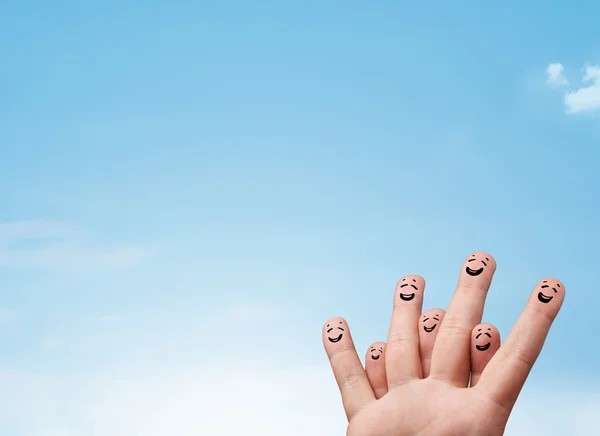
{"x":188,"y":187}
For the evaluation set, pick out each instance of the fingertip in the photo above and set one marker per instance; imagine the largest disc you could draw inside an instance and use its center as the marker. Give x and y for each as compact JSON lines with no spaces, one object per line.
{"x":548,"y":296}
{"x":335,"y":331}
{"x":333,"y":320}
{"x":477,"y":270}
{"x":376,"y":352}
{"x":436,"y":311}
{"x":485,"y":338}
{"x":409,"y":289}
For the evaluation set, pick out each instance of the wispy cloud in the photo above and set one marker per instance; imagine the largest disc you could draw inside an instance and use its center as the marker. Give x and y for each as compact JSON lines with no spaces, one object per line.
{"x":586,"y":98}
{"x":555,"y":75}
{"x":60,"y":246}
{"x":225,"y":398}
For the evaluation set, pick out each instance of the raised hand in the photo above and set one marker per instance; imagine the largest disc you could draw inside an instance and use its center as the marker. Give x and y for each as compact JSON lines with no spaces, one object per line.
{"x":440,"y":403}
{"x":429,"y":324}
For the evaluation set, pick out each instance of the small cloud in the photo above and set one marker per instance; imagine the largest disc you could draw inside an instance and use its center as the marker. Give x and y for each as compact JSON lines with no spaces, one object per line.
{"x":586,"y":98}
{"x":59,"y":246}
{"x":556,"y":76}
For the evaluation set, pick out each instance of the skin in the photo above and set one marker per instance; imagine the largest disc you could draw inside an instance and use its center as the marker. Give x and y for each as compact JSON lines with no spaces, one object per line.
{"x":429,"y":327}
{"x":441,"y":404}
{"x":375,"y":368}
{"x":485,"y":341}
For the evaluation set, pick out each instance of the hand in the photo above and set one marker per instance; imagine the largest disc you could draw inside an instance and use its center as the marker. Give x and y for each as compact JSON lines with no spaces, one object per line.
{"x":485,"y":341}
{"x":440,"y":404}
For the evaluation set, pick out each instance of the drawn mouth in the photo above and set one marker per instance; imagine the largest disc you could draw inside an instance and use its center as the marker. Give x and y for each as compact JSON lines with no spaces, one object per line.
{"x":544,"y":298}
{"x":375,"y":357}
{"x":483,"y":347}
{"x":430,"y":329}
{"x":407,"y":297}
{"x":474,"y":272}
{"x":335,"y":339}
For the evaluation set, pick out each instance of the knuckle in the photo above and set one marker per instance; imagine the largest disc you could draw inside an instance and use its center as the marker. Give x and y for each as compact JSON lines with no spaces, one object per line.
{"x":401,"y":339}
{"x":521,"y":356}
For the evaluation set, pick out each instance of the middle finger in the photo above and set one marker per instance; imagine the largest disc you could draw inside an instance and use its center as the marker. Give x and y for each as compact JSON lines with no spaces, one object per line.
{"x":451,"y":353}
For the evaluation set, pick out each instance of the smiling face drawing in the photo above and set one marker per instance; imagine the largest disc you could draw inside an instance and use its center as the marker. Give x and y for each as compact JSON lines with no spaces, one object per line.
{"x":376,"y":352}
{"x":483,"y":338}
{"x":335,"y":331}
{"x":477,"y":270}
{"x":409,"y":286}
{"x":430,"y":320}
{"x":476,"y":264}
{"x":548,"y":290}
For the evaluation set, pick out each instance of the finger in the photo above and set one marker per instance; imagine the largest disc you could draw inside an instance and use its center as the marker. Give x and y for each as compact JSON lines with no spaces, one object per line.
{"x":451,"y":353}
{"x":347,"y":368}
{"x":429,"y":326}
{"x":485,"y":341}
{"x":402,"y":360}
{"x":506,"y":373}
{"x":375,"y":367}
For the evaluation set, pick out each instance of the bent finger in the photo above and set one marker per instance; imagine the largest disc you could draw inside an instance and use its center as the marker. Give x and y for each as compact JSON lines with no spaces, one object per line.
{"x":375,"y":367}
{"x":485,"y":341}
{"x":429,"y":326}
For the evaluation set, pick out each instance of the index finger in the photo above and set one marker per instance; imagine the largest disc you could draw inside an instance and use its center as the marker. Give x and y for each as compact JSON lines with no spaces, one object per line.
{"x":507,"y":372}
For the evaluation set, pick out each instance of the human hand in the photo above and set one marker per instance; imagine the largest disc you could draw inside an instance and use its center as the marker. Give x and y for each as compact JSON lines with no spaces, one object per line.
{"x":440,"y":404}
{"x":485,"y":341}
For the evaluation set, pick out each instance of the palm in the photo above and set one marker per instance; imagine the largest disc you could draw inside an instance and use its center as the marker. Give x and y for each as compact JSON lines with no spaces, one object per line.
{"x":430,"y":407}
{"x":435,"y":399}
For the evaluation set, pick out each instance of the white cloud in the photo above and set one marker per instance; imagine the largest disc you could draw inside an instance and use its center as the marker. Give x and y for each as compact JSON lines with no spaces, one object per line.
{"x":555,"y":75}
{"x":59,"y":246}
{"x":586,"y":98}
{"x":157,"y":390}
{"x":223,"y":399}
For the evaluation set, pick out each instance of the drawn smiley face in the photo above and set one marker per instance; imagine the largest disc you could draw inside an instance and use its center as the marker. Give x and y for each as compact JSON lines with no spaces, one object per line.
{"x":430,"y":320}
{"x":485,"y":342}
{"x":548,"y":291}
{"x":376,"y":351}
{"x":408,"y":286}
{"x":476,"y":263}
{"x":335,"y":331}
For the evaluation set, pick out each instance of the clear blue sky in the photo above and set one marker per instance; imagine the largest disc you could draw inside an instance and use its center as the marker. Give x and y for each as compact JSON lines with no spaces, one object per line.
{"x":170,"y":170}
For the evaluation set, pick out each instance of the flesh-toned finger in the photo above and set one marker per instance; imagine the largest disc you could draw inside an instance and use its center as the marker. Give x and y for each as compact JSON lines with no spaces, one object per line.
{"x":402,"y":360}
{"x":347,"y":368}
{"x":429,"y":326}
{"x":485,"y":341}
{"x":375,"y":367}
{"x":451,"y":354}
{"x":506,"y":373}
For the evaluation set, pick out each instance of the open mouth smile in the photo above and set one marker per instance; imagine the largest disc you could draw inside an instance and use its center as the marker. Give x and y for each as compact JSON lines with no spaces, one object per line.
{"x":544,"y":298}
{"x":335,"y":339}
{"x":483,"y":347}
{"x":474,"y":272}
{"x":407,"y":297}
{"x":430,"y":329}
{"x":376,"y":357}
